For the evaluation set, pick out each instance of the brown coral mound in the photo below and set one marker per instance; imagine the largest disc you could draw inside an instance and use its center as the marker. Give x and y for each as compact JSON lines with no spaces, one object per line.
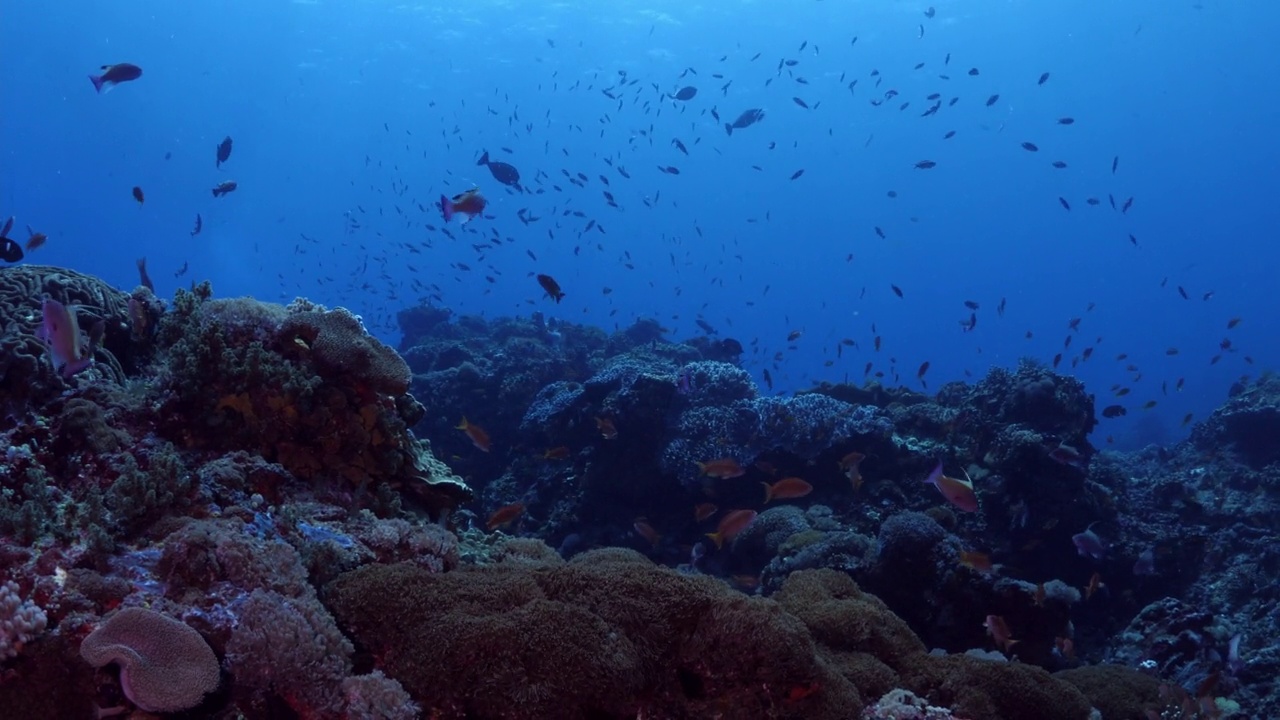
{"x":608,"y":635}
{"x":339,"y":343}
{"x":1119,"y":692}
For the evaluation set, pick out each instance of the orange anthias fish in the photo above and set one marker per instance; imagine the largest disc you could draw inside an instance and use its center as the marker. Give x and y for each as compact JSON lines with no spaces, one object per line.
{"x":702,"y":511}
{"x":468,"y":204}
{"x":730,"y":525}
{"x":849,"y":464}
{"x":505,"y":515}
{"x":958,"y":492}
{"x":478,"y":436}
{"x":723,"y":468}
{"x":977,"y":561}
{"x":786,"y":489}
{"x":552,"y":287}
{"x":647,"y":531}
{"x":556,"y":453}
{"x":802,"y":691}
{"x":999,"y":631}
{"x":1095,"y":584}
{"x":606,"y":427}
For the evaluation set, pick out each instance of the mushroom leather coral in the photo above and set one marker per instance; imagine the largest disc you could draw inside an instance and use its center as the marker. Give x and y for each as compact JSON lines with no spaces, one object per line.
{"x":165,"y":665}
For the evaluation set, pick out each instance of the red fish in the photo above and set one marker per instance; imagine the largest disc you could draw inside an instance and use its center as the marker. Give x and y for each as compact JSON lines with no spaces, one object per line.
{"x":958,"y":492}
{"x":849,"y":464}
{"x":999,"y":631}
{"x":647,"y":531}
{"x":505,"y":515}
{"x":468,"y":204}
{"x":786,"y":489}
{"x":478,"y":436}
{"x":724,"y":468}
{"x":730,"y":525}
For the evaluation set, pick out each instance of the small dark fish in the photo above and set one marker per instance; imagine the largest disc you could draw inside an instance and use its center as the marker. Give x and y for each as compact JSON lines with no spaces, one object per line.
{"x":137,"y":194}
{"x":1030,"y":147}
{"x":504,"y":173}
{"x":223,"y":188}
{"x":1066,"y":121}
{"x":1064,"y":202}
{"x":926,"y":165}
{"x":1044,"y":78}
{"x":800,"y":102}
{"x":745,"y":120}
{"x":1183,"y":293}
{"x":143,"y":278}
{"x":552,"y":287}
{"x":971,"y":304}
{"x":993,"y":100}
{"x":896,"y":290}
{"x":929,"y":13}
{"x":1127,"y":204}
{"x":1114,"y":411}
{"x":880,"y":232}
{"x":1059,"y":164}
{"x":973,"y":72}
{"x":797,"y":174}
{"x":685,"y":93}
{"x":1115,"y":163}
{"x":181,"y":271}
{"x":113,"y":75}
{"x":199,"y":226}
{"x":224,"y":150}
{"x":11,"y":251}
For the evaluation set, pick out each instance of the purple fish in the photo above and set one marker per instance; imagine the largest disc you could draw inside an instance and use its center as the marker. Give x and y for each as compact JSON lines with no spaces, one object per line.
{"x":61,"y":334}
{"x":113,"y":75}
{"x":1089,"y":544}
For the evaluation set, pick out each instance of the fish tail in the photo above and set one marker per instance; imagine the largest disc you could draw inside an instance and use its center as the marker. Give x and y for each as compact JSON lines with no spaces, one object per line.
{"x":462,"y":425}
{"x":702,"y":467}
{"x":936,"y":475}
{"x":768,"y":492}
{"x":717,"y":539}
{"x":446,"y":208}
{"x":728,"y":128}
{"x":97,"y":81}
{"x":484,"y":159}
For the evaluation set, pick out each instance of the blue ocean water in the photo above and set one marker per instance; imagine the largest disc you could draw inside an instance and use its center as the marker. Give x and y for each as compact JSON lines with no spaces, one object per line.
{"x":349,"y":114}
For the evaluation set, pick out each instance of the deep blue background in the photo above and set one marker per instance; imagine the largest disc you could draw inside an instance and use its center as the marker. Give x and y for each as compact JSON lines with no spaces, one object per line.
{"x":1185,"y":93}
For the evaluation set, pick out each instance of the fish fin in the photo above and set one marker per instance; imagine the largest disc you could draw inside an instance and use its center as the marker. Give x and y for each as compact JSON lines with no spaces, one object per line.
{"x":484,"y":159}
{"x":728,"y":128}
{"x":768,"y":492}
{"x":97,"y":82}
{"x":446,"y":208}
